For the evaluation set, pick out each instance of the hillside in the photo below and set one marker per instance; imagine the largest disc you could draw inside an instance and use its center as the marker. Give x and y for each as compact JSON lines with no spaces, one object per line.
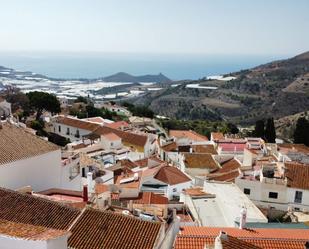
{"x":125,"y":77}
{"x":277,"y":89}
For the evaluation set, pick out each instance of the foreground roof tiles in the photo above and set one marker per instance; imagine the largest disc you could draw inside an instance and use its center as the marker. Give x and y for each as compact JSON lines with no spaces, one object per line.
{"x":29,"y":217}
{"x":198,"y":237}
{"x":17,"y":144}
{"x":27,"y":209}
{"x":96,"y":229}
{"x":29,"y":232}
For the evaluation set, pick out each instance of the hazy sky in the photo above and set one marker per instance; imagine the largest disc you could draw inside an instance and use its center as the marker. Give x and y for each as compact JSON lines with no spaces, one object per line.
{"x":156,"y":26}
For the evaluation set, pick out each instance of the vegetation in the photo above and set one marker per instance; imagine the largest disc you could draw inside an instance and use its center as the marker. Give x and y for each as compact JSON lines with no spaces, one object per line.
{"x":266,"y":131}
{"x":139,"y":110}
{"x":301,"y":133}
{"x":40,"y":101}
{"x":80,"y":99}
{"x":203,"y":127}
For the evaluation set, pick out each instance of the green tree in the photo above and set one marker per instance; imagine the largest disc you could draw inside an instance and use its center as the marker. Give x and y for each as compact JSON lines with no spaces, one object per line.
{"x":301,"y":133}
{"x":81,"y":99}
{"x":270,"y":131}
{"x":42,"y":101}
{"x":259,"y":129}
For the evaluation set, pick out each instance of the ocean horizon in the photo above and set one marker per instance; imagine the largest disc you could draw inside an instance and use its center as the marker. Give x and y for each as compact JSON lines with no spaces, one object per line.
{"x":91,"y":65}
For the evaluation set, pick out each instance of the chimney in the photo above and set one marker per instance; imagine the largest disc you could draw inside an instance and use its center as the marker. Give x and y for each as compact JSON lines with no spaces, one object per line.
{"x":243,"y":218}
{"x":89,"y":181}
{"x":221,"y":237}
{"x":85,"y":193}
{"x":131,"y":205}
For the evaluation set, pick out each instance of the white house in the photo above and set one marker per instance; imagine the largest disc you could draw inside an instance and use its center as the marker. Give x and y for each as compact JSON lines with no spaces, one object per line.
{"x":111,"y":141}
{"x":75,"y":129}
{"x":26,"y":159}
{"x":277,"y":185}
{"x":219,"y":204}
{"x":166,"y":180}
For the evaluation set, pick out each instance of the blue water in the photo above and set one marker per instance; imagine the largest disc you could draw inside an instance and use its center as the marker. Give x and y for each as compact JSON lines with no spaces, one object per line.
{"x":94,"y":65}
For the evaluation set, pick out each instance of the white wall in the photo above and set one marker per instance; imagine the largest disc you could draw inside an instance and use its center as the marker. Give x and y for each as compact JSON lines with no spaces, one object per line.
{"x":179,"y":188}
{"x":14,"y":243}
{"x":259,"y":194}
{"x":73,"y":130}
{"x":41,"y":172}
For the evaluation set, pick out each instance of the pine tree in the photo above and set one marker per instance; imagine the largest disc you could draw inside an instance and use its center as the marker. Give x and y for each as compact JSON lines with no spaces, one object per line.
{"x":270,"y":131}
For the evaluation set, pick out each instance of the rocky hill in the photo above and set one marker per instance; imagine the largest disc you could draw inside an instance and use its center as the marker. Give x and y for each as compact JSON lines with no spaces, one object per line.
{"x":125,"y":77}
{"x":276,"y":89}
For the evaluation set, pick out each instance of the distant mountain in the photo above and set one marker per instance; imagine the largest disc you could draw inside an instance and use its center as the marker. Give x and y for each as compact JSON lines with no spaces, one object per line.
{"x":125,"y":77}
{"x":275,"y":89}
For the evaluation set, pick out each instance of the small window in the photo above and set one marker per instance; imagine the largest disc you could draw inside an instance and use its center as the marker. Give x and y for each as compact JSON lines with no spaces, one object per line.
{"x":174,"y":189}
{"x":247,"y":191}
{"x":298,"y":196}
{"x":112,"y":144}
{"x":273,"y":195}
{"x":59,"y":128}
{"x":68,"y":131}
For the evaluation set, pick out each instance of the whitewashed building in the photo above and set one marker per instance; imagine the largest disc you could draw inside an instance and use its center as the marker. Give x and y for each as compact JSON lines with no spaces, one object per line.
{"x":28,"y":160}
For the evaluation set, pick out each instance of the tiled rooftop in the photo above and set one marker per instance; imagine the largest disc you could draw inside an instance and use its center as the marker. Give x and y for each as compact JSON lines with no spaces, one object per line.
{"x":297,"y":175}
{"x":17,"y":144}
{"x":198,"y":237}
{"x":150,"y":198}
{"x":27,"y":209}
{"x":29,"y":232}
{"x":192,"y":135}
{"x":171,"y":175}
{"x":96,"y":229}
{"x":204,"y":161}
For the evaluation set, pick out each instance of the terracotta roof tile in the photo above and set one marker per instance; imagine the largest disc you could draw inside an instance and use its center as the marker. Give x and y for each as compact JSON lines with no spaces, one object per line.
{"x":192,"y":135}
{"x":150,"y":198}
{"x":78,"y":123}
{"x":217,"y":136}
{"x":209,"y":148}
{"x":171,"y":175}
{"x":197,"y":237}
{"x":170,"y":147}
{"x":17,"y":144}
{"x":28,"y":209}
{"x":200,"y":160}
{"x":127,"y":137}
{"x":297,"y":175}
{"x":29,"y":232}
{"x":118,"y":125}
{"x":294,"y":147}
{"x":96,"y":229}
{"x":111,"y":136}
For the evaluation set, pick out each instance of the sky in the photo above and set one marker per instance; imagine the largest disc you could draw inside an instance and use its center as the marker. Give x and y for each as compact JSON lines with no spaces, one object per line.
{"x":156,"y":26}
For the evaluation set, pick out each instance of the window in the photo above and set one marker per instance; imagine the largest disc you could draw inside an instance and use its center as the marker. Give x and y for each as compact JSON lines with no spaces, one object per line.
{"x":247,"y":191}
{"x":112,"y":144}
{"x":174,"y":190}
{"x":77,"y":134}
{"x":59,"y":128}
{"x":298,"y":196}
{"x":68,"y":131}
{"x":273,"y":195}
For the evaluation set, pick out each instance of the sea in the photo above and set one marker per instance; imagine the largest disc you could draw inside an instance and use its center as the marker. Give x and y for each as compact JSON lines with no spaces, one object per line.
{"x":90,"y":65}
